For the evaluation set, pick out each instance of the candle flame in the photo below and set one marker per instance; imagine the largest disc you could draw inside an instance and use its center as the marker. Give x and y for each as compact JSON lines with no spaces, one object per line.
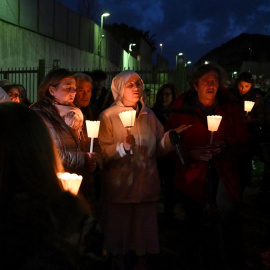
{"x":249,"y":105}
{"x":213,"y":122}
{"x":70,"y":182}
{"x":128,"y":118}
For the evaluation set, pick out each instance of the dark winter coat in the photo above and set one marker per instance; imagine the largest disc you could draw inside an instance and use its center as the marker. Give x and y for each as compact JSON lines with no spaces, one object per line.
{"x":191,"y":178}
{"x":70,"y":148}
{"x":255,"y":118}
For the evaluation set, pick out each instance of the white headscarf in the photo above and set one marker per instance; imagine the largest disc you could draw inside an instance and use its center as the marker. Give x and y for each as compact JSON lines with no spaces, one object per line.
{"x":119,"y":82}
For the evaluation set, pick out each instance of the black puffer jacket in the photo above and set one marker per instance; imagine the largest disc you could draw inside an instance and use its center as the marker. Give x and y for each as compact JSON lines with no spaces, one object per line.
{"x":70,"y":148}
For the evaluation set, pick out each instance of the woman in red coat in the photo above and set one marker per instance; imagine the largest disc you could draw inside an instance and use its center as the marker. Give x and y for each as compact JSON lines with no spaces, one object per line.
{"x":209,"y":176}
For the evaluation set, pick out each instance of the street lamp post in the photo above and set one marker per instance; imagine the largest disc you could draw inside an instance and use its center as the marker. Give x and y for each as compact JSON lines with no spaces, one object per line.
{"x":101,"y":36}
{"x":188,"y":63}
{"x":130,"y":50}
{"x":130,"y":47}
{"x":180,"y":68}
{"x":161,"y":46}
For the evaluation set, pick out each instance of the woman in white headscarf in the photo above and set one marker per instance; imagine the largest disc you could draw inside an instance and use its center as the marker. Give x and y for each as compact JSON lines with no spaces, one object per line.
{"x":131,"y":186}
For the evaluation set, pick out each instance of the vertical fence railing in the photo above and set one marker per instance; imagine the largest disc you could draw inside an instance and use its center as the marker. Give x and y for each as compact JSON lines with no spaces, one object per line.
{"x":153,"y":80}
{"x":30,"y":78}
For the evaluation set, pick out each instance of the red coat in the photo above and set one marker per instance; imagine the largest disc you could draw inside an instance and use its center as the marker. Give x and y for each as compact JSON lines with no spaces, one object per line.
{"x":191,"y":178}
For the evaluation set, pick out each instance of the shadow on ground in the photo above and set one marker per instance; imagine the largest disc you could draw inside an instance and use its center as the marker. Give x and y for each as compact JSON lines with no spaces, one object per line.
{"x":255,"y":214}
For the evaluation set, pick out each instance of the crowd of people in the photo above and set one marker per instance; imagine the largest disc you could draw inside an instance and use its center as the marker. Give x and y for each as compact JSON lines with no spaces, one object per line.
{"x":114,"y":214}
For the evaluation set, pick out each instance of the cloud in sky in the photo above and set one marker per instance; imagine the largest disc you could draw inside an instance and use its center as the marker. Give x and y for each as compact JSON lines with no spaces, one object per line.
{"x":192,"y":26}
{"x":234,"y":29}
{"x":198,"y":29}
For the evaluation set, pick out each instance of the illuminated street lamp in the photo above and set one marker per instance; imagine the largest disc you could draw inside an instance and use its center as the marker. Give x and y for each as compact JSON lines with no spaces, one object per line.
{"x":188,"y":63}
{"x":180,"y":68}
{"x":234,"y":75}
{"x":106,"y":14}
{"x":101,"y":36}
{"x":130,"y":46}
{"x":161,"y":46}
{"x":130,"y":50}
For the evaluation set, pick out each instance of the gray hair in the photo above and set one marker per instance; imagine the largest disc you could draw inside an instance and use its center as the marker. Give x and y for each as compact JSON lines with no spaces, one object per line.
{"x":82,"y":77}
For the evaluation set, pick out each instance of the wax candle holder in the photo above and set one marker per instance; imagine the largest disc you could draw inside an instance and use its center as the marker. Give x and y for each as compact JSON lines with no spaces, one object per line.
{"x":70,"y":182}
{"x":128,"y":119}
{"x":213,"y":122}
{"x":248,"y":106}
{"x":92,"y":131}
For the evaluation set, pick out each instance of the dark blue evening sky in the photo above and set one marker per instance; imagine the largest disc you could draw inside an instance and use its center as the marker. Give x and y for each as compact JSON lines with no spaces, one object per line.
{"x":193,"y":27}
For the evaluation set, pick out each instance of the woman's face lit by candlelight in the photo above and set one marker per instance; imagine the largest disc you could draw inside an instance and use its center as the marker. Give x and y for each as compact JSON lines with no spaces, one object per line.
{"x":207,"y":88}
{"x":64,"y":93}
{"x":132,"y":91}
{"x":14,"y":95}
{"x":244,"y":87}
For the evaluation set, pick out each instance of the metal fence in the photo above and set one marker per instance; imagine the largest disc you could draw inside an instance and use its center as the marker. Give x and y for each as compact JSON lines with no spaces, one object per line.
{"x":30,"y":78}
{"x":26,"y":77}
{"x":153,"y":80}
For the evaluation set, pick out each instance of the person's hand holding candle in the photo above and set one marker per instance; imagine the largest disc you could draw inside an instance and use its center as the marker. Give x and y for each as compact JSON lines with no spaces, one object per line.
{"x":91,"y":161}
{"x":201,"y":154}
{"x":128,"y":119}
{"x":219,"y":147}
{"x":129,"y":143}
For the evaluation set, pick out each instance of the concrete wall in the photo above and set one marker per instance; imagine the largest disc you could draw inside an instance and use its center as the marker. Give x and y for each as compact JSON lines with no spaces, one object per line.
{"x":36,"y":29}
{"x":22,"y":48}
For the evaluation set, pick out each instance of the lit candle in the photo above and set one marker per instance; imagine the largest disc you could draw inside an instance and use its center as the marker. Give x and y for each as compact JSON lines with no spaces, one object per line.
{"x":92,"y":131}
{"x":213,"y":122}
{"x":128,"y":119}
{"x":70,"y":182}
{"x":249,"y":105}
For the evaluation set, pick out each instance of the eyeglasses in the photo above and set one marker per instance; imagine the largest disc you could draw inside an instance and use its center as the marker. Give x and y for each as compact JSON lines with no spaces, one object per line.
{"x":138,"y":84}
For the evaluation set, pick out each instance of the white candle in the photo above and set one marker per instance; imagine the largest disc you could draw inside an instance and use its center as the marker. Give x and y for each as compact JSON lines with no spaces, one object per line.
{"x":70,"y":182}
{"x":128,"y":119}
{"x":92,"y":131}
{"x":213,"y":122}
{"x":249,"y":105}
